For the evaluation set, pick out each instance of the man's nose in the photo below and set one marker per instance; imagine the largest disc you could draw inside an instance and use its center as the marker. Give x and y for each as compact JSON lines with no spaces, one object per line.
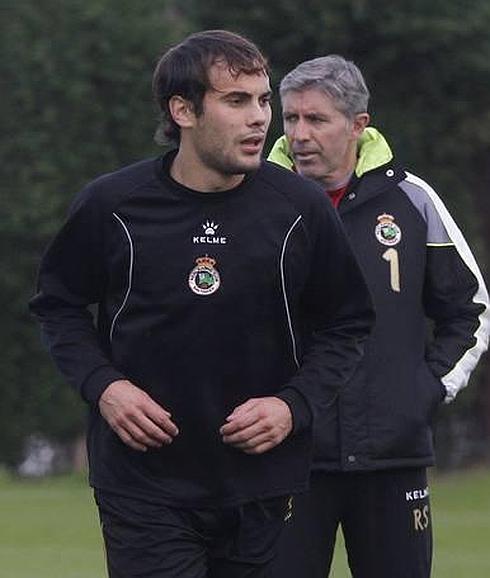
{"x":300,"y":131}
{"x":259,"y":114}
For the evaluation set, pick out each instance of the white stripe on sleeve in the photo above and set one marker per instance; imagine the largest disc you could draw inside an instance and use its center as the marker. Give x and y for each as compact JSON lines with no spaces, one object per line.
{"x":458,"y":377}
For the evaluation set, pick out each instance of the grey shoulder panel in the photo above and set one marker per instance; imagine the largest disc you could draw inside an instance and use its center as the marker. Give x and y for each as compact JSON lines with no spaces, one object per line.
{"x":417,"y":191}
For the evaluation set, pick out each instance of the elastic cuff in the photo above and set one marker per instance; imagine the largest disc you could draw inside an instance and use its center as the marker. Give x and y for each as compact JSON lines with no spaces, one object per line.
{"x":302,"y":416}
{"x":93,"y":387}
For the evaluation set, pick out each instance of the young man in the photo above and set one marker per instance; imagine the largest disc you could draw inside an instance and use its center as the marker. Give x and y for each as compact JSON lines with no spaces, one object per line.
{"x":374,"y":443}
{"x":230,"y":307}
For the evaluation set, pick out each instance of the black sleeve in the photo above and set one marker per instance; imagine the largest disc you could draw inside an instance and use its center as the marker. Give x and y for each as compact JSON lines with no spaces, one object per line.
{"x":71,"y":278}
{"x":338,"y":310}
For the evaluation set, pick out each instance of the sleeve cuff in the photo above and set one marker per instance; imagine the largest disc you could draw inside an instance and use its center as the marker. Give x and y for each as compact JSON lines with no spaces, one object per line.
{"x":95,"y":384}
{"x":300,"y":410}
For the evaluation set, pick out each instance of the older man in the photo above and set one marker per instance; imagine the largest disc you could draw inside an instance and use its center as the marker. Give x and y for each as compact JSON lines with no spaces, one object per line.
{"x":374,"y":442}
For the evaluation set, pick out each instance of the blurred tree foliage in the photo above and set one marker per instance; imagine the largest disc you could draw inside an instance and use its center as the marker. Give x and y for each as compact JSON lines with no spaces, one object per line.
{"x":76,"y":102}
{"x":427,"y":65}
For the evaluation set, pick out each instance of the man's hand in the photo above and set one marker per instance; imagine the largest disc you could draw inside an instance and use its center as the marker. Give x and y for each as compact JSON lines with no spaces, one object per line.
{"x":258,"y":425}
{"x":138,"y":420}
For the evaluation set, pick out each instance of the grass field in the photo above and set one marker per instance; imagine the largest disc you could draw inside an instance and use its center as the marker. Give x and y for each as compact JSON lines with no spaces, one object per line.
{"x":49,"y":529}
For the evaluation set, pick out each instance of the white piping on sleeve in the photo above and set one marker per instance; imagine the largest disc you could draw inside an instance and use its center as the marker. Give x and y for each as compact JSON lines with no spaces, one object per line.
{"x":130,"y":275}
{"x":284,"y":293}
{"x":458,"y":377}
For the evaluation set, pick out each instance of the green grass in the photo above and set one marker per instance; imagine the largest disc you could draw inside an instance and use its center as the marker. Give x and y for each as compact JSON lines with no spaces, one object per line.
{"x":49,"y":528}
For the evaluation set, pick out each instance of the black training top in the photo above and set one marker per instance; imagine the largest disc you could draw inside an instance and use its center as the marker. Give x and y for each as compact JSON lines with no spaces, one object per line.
{"x":204,"y":301}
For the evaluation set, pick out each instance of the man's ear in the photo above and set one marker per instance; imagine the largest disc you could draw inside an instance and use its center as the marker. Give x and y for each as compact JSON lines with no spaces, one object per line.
{"x":361,"y":121}
{"x":182,"y":111}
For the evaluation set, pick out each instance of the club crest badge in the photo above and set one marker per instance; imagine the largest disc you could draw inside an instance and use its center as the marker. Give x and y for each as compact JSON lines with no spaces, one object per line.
{"x":387,"y":231}
{"x":204,"y":279}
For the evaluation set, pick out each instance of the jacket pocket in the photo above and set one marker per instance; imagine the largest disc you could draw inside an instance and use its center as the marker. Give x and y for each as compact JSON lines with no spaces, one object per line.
{"x":436,"y":392}
{"x":402,"y":407}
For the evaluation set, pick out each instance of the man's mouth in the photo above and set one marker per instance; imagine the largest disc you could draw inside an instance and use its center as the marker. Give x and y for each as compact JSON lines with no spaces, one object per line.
{"x":304,"y":156}
{"x":252,"y":144}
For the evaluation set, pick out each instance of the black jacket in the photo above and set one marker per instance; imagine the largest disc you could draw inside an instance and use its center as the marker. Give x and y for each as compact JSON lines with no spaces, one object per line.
{"x":418,"y":268}
{"x":204,"y":300}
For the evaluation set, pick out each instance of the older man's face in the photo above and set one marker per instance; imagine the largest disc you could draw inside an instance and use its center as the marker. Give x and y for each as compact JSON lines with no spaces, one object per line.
{"x":323,"y":140}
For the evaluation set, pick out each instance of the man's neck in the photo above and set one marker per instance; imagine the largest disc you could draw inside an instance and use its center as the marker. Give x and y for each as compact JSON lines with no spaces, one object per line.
{"x":341,"y":176}
{"x":193,"y":174}
{"x":338,"y":181}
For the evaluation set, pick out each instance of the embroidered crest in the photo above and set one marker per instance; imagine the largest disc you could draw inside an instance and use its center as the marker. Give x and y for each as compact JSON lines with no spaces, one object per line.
{"x":204,"y":279}
{"x":387,"y":231}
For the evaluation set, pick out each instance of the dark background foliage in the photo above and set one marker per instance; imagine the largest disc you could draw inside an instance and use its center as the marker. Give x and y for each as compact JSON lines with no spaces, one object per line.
{"x":76,"y":102}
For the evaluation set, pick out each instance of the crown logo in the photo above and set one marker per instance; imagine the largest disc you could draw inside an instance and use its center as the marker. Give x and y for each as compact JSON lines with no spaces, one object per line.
{"x":386,"y":219}
{"x":207,"y":262}
{"x":210,"y":228}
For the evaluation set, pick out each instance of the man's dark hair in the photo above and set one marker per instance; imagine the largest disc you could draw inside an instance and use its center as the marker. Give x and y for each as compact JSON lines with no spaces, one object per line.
{"x":184,"y":71}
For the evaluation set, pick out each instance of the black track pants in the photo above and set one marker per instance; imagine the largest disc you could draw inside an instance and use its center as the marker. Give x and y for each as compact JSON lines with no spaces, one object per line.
{"x":385,"y":518}
{"x":146,"y":540}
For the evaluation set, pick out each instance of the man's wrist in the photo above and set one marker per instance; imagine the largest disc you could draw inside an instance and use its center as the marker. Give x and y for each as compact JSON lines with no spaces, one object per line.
{"x":98,"y":381}
{"x":300,"y":410}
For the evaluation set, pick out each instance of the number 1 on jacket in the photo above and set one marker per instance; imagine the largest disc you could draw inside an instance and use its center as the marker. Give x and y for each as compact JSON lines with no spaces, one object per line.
{"x":391,"y":255}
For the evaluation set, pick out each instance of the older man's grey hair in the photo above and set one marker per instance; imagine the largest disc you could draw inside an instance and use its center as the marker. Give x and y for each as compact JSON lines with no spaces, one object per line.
{"x":339,"y":78}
